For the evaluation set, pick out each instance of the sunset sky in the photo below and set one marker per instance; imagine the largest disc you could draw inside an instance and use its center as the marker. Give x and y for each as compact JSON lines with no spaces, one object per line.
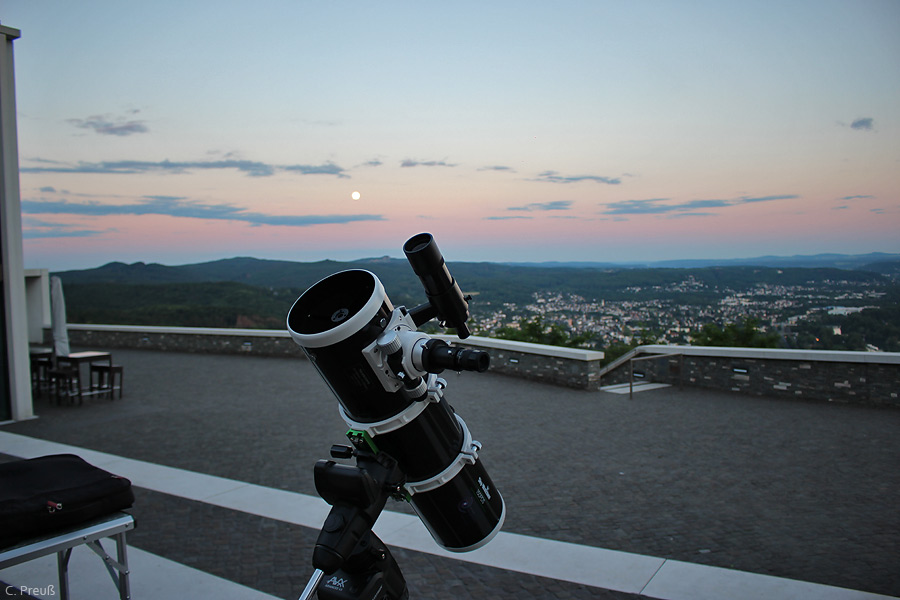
{"x":180,"y":132}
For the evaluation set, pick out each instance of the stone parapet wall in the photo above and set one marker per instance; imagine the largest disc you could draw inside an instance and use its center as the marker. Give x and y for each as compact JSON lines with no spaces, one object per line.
{"x":567,"y":367}
{"x":852,"y":377}
{"x":185,"y":339}
{"x":857,"y":377}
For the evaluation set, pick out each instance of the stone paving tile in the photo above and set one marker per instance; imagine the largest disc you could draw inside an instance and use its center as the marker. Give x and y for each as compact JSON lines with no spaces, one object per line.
{"x":796,"y":489}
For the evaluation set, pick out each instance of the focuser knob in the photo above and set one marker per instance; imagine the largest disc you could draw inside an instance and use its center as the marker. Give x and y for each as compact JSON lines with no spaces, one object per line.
{"x":389,"y":342}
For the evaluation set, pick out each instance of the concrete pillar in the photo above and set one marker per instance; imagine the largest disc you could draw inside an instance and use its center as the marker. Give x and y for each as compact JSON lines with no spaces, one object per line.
{"x":17,"y":366}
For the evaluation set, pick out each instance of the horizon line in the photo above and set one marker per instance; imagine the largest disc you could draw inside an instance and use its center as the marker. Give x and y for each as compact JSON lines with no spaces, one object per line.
{"x":823,"y":256}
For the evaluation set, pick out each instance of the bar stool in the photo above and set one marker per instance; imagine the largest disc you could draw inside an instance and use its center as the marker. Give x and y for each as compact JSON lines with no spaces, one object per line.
{"x":40,"y":374}
{"x":65,"y":383}
{"x":109,"y":377}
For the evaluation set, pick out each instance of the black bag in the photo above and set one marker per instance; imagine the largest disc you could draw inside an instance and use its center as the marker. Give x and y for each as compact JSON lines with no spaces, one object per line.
{"x":45,"y":494}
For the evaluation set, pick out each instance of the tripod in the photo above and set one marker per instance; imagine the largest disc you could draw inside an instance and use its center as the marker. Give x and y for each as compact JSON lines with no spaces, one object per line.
{"x":358,"y":564}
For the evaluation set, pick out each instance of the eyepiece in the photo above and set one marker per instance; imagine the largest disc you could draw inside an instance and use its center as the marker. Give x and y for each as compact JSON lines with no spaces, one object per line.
{"x":437,"y":355}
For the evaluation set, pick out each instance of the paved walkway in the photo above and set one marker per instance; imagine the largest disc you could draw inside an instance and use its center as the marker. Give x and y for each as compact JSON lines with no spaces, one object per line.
{"x":677,"y":481}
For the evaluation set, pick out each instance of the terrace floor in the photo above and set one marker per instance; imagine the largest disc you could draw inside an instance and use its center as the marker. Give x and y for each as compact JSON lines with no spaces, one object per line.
{"x":673,"y":494}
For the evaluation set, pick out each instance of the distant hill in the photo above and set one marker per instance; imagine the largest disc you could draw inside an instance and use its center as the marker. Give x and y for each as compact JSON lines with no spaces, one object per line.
{"x":290,"y":274}
{"x":890,"y":268}
{"x":186,"y":304}
{"x":272,"y":274}
{"x":247,"y":270}
{"x":874,"y":261}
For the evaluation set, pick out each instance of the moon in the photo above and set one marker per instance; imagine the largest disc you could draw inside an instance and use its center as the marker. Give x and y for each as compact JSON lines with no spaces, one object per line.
{"x":355,"y":195}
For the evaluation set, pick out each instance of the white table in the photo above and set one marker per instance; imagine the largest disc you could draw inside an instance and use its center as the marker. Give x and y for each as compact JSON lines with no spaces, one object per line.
{"x":90,"y":533}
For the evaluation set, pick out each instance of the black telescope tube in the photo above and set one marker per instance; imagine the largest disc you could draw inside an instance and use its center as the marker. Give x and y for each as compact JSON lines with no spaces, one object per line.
{"x":442,"y":290}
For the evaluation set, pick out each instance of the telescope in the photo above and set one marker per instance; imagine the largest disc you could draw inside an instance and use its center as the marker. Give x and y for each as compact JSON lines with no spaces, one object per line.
{"x":408,"y":442}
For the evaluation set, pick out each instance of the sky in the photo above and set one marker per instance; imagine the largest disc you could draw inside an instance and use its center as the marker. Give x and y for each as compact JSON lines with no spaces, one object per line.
{"x":181,"y":132}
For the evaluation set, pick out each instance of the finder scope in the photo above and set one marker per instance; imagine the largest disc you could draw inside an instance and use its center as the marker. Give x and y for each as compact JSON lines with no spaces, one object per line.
{"x":443,"y":293}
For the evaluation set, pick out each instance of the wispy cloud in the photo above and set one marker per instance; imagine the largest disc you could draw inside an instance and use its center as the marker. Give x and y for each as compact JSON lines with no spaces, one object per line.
{"x":865,"y":124}
{"x":174,"y":206}
{"x":425,"y":163}
{"x":131,"y":167}
{"x":746,"y":200}
{"x":59,"y":232}
{"x":36,"y":228}
{"x":326,"y":169}
{"x":554,"y":177}
{"x":651,"y":206}
{"x":107,"y":125}
{"x":506,"y":218}
{"x":860,"y":197}
{"x":543,"y":206}
{"x":498,"y":168}
{"x":661,"y":206}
